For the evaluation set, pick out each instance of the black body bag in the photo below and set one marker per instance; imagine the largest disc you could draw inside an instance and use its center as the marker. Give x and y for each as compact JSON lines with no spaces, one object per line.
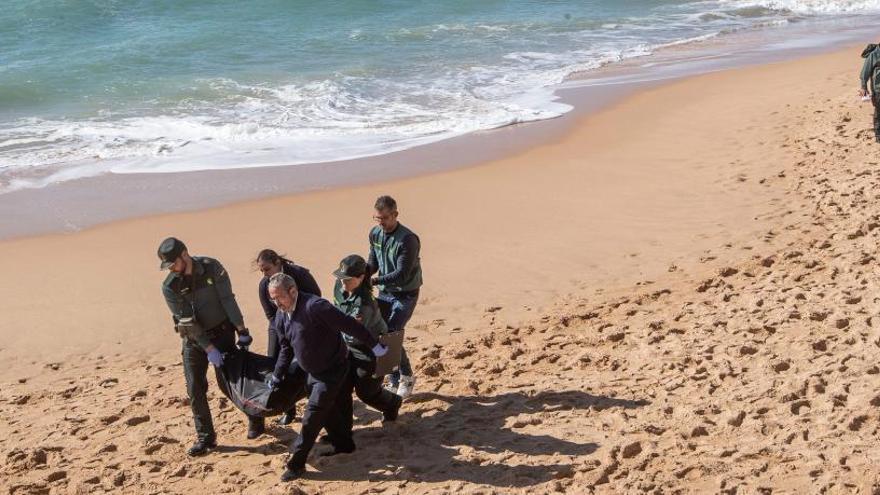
{"x":242,"y":379}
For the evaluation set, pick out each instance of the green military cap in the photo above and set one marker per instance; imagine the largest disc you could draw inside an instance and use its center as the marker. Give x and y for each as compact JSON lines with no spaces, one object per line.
{"x":170,"y":249}
{"x":351,"y":266}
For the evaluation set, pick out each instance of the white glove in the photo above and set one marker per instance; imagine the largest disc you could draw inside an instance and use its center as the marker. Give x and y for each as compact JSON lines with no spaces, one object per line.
{"x":379,"y":350}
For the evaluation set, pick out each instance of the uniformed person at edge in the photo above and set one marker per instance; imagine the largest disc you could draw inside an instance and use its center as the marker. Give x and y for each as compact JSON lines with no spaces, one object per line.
{"x":199,"y":294}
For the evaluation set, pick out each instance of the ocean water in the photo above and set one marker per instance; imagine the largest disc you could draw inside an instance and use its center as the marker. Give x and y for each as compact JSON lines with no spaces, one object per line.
{"x":89,"y":87}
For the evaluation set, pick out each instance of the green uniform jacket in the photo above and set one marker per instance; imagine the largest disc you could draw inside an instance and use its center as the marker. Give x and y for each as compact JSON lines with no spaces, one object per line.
{"x":869,"y":70}
{"x":396,"y":258}
{"x":362,"y":306}
{"x":208,"y":292}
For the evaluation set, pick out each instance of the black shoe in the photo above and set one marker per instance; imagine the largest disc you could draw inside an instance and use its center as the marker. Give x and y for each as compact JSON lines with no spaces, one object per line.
{"x":334,"y":450}
{"x":287,"y":418}
{"x":201,"y":447}
{"x":293,"y":473}
{"x":391,"y":414}
{"x":256,"y":427}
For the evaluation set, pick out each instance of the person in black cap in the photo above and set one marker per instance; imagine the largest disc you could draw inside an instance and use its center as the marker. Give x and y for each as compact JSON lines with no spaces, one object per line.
{"x":206,"y":316}
{"x":353,"y":295}
{"x":309,"y":328}
{"x":269,"y":263}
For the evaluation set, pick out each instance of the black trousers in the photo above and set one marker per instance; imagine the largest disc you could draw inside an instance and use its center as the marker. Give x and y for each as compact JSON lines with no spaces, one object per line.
{"x":368,"y":389}
{"x":321,"y":413}
{"x":195,"y":370}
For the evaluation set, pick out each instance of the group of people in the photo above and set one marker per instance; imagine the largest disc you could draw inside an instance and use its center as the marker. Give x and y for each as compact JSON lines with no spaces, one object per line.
{"x":331,"y":348}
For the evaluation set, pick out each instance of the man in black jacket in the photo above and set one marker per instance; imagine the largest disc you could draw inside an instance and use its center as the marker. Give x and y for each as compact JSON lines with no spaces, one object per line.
{"x":269,"y":262}
{"x":309,"y":327}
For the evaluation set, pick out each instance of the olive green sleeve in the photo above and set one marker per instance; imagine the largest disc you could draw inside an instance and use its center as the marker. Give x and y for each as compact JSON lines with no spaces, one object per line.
{"x":868,"y":69}
{"x":178,"y":306}
{"x":224,"y":291}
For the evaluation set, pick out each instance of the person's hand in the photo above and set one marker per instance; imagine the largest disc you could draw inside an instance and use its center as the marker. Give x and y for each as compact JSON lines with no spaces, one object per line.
{"x":244,"y":340}
{"x":215,"y":357}
{"x":380,"y":350}
{"x":272,"y":382}
{"x":863,"y":93}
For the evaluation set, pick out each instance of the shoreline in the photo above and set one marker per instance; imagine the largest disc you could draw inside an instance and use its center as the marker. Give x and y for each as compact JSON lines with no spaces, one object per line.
{"x":73,"y":206}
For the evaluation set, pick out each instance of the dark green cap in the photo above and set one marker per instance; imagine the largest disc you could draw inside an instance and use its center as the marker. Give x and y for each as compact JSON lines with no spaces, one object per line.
{"x":351,"y":266}
{"x":169,"y":251}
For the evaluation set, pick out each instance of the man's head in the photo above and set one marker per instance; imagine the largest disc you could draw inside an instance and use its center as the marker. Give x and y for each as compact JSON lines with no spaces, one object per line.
{"x":386,"y":213}
{"x":283,"y":291}
{"x":173,"y":255}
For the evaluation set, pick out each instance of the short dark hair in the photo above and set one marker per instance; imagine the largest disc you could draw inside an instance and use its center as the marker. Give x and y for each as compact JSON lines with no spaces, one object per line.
{"x":385,"y":203}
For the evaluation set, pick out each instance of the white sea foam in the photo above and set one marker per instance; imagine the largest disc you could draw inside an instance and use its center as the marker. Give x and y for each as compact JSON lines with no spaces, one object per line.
{"x":344,"y":116}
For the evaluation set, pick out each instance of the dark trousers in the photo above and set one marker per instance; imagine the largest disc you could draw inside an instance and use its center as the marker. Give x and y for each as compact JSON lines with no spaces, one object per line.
{"x":369,"y":390}
{"x":876,"y":100}
{"x":321,"y":413}
{"x":397,"y":309}
{"x":195,"y":370}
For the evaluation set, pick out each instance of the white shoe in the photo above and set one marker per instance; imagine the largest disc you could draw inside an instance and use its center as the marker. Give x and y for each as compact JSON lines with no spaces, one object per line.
{"x":407,"y":383}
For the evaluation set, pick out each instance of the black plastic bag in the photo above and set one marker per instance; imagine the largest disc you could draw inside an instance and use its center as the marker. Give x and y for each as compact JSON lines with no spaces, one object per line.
{"x":242,"y":379}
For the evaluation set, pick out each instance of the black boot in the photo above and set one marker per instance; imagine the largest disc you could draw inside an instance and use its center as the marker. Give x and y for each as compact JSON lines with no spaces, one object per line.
{"x":293,"y":473}
{"x":202,"y":447}
{"x":334,"y":450}
{"x":391,"y":414}
{"x":287,"y":417}
{"x":256,"y":427}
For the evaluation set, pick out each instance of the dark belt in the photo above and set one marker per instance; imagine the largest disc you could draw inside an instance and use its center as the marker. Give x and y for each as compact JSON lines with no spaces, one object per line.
{"x":401,"y":294}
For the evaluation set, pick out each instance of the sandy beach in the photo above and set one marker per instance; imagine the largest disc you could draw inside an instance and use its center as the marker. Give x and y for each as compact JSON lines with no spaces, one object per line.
{"x":672,"y":296}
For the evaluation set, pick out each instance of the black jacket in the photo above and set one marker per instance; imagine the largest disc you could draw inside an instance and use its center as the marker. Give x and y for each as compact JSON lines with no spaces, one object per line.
{"x":312,"y":333}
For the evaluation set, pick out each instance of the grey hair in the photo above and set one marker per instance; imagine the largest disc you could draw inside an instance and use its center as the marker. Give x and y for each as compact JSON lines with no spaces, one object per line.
{"x":282,"y":280}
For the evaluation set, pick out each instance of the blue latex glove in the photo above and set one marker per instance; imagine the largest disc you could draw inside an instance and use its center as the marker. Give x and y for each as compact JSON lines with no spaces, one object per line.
{"x":215,"y":357}
{"x":380,"y":350}
{"x":272,"y":382}
{"x":244,"y":341}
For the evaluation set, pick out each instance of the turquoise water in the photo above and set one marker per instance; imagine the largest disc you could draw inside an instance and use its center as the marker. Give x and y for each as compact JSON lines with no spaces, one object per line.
{"x":90,"y":87}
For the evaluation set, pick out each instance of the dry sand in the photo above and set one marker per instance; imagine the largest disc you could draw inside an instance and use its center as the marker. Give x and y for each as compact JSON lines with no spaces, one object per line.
{"x":675,"y":296}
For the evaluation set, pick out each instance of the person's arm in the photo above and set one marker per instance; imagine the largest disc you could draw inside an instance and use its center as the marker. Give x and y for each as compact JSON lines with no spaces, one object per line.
{"x":406,"y":261}
{"x":285,"y":354}
{"x":326,"y":313}
{"x":180,"y":308}
{"x":227,"y":298}
{"x":372,"y":260}
{"x":868,"y":71}
{"x":268,"y":306}
{"x":306,"y":282}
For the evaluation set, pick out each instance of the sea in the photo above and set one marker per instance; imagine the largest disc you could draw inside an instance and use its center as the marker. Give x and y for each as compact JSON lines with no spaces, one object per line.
{"x":94,"y":87}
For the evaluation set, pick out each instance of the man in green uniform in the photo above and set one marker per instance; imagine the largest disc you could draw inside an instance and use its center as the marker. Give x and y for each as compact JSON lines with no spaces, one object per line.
{"x":869,"y":75}
{"x":394,"y":260}
{"x":199,"y":294}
